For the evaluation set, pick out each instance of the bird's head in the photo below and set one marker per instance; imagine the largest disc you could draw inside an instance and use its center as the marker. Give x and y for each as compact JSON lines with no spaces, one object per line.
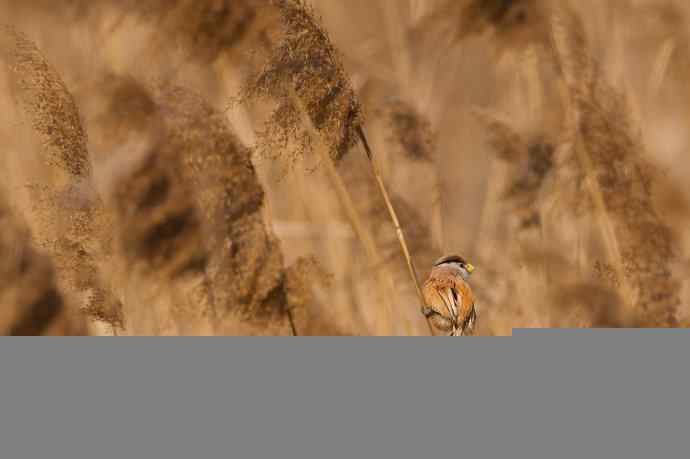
{"x":456,"y":261}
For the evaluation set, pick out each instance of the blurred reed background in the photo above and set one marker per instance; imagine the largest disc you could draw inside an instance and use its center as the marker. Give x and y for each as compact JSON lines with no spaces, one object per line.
{"x":196,"y":167}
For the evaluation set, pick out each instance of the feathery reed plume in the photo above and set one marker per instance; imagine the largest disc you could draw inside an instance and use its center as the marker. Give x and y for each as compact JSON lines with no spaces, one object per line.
{"x":31,"y":302}
{"x":517,"y":181}
{"x":306,"y":319}
{"x":570,"y":300}
{"x":305,"y":75}
{"x":125,"y":115}
{"x":246,"y":260}
{"x":306,"y":63}
{"x":503,"y":16}
{"x":374,"y":257}
{"x":161,"y":236}
{"x":204,"y":29}
{"x":409,"y":131}
{"x":535,"y":171}
{"x":104,"y":307}
{"x":160,"y":225}
{"x":531,"y":164}
{"x":48,"y":104}
{"x":69,"y":214}
{"x":209,"y":27}
{"x":410,"y":136}
{"x":589,"y":305}
{"x":513,"y":22}
{"x":507,"y":143}
{"x":159,"y":253}
{"x":612,"y":159}
{"x":123,"y":111}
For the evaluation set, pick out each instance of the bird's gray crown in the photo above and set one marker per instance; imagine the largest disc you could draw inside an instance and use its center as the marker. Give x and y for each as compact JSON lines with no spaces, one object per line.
{"x":450,"y":259}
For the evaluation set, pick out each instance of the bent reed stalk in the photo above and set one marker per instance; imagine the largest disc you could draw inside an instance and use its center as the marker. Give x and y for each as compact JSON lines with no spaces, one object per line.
{"x":305,"y":75}
{"x":394,"y":218}
{"x":384,"y":280}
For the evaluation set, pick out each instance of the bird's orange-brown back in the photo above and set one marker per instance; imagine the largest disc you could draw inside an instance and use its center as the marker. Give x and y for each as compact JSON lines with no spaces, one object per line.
{"x":443,"y":278}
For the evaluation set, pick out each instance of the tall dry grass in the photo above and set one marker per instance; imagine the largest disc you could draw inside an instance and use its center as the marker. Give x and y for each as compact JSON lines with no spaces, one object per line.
{"x":32,"y":303}
{"x":368,"y":140}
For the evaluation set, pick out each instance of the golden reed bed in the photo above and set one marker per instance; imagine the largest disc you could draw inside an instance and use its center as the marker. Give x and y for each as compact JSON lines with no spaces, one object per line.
{"x":284,"y":167}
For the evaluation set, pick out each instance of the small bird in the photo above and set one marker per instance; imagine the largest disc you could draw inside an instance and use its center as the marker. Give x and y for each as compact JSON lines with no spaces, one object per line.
{"x":448,"y":297}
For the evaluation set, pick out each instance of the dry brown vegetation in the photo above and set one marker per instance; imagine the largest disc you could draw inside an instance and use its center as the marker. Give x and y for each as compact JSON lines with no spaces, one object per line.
{"x":239,"y":166}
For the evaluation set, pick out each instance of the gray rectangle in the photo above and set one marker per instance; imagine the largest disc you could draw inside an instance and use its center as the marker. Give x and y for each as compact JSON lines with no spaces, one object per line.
{"x":615,"y":396}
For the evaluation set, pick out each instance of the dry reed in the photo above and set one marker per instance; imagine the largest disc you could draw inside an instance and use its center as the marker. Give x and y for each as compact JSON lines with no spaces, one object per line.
{"x":47,"y":103}
{"x":68,"y":211}
{"x":519,"y":20}
{"x":620,"y":178}
{"x":161,"y":221}
{"x":246,"y":258}
{"x":31,"y":303}
{"x":384,"y":282}
{"x":307,"y":63}
{"x":305,"y":75}
{"x":409,"y":131}
{"x":531,"y":165}
{"x":247,"y":268}
{"x":514,"y":23}
{"x":409,"y":135}
{"x":208,"y":28}
{"x":159,"y":229}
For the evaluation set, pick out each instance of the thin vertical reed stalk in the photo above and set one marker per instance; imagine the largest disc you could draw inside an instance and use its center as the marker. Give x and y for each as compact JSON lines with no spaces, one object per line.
{"x":661,"y":66}
{"x":572,"y":53}
{"x":411,"y":134}
{"x":291,"y":319}
{"x":384,"y":281}
{"x":607,"y":229}
{"x":305,"y":74}
{"x":394,"y":218}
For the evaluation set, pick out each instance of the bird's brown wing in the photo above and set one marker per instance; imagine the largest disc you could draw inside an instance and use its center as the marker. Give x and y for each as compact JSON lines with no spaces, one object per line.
{"x":466,"y":311}
{"x":450,"y":300}
{"x":437,"y":310}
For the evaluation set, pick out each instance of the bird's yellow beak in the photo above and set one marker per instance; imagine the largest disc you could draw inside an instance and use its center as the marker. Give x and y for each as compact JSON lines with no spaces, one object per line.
{"x":469,"y":268}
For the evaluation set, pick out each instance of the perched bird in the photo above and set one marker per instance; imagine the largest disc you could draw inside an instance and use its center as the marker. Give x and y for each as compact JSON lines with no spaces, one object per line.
{"x":448,"y":297}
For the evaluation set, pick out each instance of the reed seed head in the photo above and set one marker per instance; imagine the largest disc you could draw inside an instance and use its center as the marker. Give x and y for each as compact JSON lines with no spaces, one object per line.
{"x":307,"y":64}
{"x":513,"y":22}
{"x":210,"y":27}
{"x":159,"y":222}
{"x":532,"y":164}
{"x":410,"y":131}
{"x":613,"y":156}
{"x":47,"y":103}
{"x":246,"y":261}
{"x":30,"y":301}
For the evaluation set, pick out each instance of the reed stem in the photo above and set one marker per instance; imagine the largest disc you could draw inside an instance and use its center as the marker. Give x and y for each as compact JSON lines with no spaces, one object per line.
{"x":384,"y":281}
{"x":394,"y":217}
{"x":291,"y":319}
